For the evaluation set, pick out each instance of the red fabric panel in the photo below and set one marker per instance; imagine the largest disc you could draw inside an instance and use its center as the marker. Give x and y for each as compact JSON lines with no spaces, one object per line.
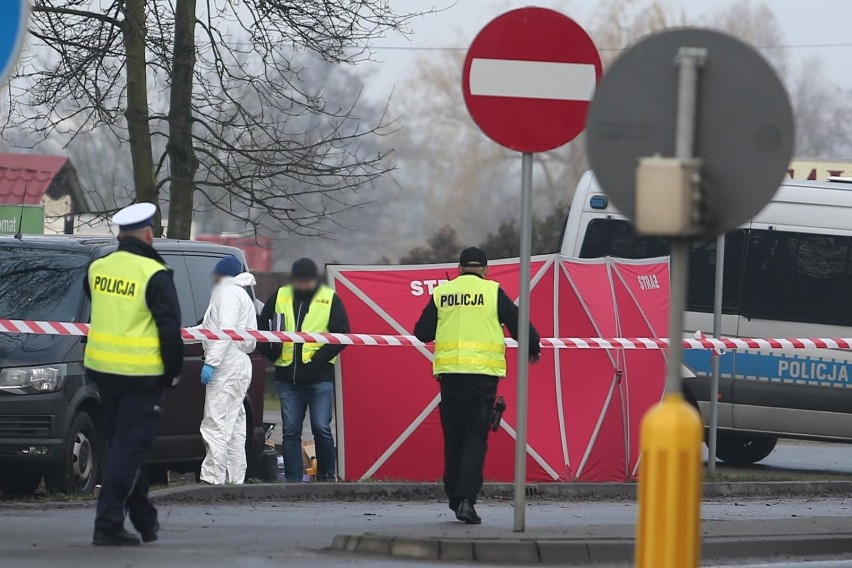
{"x":420,"y":457}
{"x":642,"y":295}
{"x":589,"y":376}
{"x":543,"y":412}
{"x":386,"y":388}
{"x":500,"y":460}
{"x":377,"y":379}
{"x":606,"y":448}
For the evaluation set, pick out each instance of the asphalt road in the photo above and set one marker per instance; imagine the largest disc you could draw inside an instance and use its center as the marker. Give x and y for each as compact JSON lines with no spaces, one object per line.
{"x":260,"y":535}
{"x":809,"y":457}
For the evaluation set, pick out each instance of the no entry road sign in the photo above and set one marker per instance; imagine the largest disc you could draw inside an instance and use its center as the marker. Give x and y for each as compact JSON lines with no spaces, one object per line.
{"x":528,"y":78}
{"x":13,"y":28}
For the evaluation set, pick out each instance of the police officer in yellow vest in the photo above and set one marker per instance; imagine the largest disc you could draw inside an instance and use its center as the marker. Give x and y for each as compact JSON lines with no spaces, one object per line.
{"x":133,"y":350}
{"x":305,"y":372}
{"x":464,"y":318}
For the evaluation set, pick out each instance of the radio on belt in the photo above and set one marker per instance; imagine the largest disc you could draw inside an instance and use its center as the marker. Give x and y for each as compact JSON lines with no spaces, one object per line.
{"x":668,"y":197}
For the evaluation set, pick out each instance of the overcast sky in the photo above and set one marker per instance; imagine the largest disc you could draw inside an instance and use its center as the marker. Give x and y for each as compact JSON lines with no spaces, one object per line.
{"x":811,"y":28}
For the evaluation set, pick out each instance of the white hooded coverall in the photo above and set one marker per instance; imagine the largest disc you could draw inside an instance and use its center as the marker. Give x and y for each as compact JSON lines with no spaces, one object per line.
{"x":224,"y":425}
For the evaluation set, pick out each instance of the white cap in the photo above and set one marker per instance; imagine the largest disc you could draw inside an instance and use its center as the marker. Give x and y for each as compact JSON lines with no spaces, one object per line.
{"x":135,"y":216}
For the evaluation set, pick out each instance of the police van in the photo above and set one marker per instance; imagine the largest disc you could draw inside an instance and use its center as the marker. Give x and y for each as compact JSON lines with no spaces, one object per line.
{"x":788,"y":273}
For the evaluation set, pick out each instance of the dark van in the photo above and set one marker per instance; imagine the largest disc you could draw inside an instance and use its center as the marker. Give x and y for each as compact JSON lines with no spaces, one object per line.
{"x":50,"y":414}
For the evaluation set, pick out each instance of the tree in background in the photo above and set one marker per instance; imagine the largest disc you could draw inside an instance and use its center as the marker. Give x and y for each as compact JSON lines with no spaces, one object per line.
{"x":505,"y":242}
{"x":468,"y":181}
{"x":211,"y":101}
{"x":444,"y":245}
{"x":472,"y":184}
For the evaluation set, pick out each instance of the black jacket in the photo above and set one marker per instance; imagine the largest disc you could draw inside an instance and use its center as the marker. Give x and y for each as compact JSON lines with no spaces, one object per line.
{"x":507,"y":313}
{"x":161,"y":299}
{"x":319,"y":369}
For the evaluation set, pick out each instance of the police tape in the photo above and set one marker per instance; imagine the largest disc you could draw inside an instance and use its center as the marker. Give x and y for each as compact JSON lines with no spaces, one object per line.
{"x":633,"y":343}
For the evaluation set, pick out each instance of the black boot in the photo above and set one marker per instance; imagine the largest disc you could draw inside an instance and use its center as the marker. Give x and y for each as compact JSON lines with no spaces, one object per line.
{"x":467,"y":513}
{"x":117,"y":538}
{"x":150,"y":535}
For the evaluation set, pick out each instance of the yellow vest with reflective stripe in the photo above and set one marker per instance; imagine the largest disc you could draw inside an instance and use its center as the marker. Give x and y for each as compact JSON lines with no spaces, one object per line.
{"x":469,"y":338}
{"x":123,"y":337}
{"x":315,"y":321}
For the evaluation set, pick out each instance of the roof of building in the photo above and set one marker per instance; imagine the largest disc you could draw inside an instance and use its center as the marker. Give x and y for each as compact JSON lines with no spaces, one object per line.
{"x":26,"y":178}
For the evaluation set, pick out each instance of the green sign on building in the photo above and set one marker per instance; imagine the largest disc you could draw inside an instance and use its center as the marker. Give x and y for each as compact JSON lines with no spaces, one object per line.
{"x":26,"y":219}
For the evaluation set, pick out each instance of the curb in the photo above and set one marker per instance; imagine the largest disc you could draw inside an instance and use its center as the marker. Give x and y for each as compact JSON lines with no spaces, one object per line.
{"x":435,"y":491}
{"x":578,"y":552}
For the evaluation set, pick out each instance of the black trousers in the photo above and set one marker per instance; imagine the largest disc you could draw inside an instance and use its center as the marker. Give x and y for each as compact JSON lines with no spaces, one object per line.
{"x":130,"y":423}
{"x":466,"y":405}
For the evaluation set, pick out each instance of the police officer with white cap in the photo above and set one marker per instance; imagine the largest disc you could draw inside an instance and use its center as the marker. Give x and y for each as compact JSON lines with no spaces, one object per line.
{"x":133,"y":351}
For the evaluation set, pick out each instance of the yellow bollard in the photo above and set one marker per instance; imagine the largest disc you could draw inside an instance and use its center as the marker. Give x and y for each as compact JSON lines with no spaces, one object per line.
{"x":669,"y":521}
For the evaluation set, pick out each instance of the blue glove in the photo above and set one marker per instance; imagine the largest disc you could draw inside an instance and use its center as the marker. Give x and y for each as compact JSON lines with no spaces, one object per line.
{"x":207,"y":374}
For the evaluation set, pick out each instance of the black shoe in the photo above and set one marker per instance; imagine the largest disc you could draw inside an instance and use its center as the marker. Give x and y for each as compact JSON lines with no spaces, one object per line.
{"x":150,"y":535}
{"x":117,"y":538}
{"x":467,"y":513}
{"x":454,"y":505}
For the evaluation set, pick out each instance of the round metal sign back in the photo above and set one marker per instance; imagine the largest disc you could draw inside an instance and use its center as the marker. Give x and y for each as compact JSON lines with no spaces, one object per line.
{"x":744,"y":125}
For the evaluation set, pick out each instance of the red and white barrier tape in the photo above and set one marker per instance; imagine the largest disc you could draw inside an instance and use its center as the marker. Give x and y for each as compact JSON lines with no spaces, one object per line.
{"x":195,"y":334}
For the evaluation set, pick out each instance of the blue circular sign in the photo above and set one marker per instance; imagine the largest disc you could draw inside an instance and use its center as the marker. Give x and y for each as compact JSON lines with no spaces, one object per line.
{"x":14,"y":15}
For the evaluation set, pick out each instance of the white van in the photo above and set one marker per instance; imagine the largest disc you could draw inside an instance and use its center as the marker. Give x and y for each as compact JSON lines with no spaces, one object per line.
{"x":788,"y":273}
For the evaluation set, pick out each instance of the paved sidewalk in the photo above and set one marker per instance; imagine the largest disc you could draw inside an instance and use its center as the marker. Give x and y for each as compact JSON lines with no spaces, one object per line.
{"x":601,"y":544}
{"x":503,"y":491}
{"x":271,"y":534}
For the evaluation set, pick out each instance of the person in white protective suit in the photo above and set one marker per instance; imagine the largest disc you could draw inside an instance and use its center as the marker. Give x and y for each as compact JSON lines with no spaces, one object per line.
{"x":227,"y":375}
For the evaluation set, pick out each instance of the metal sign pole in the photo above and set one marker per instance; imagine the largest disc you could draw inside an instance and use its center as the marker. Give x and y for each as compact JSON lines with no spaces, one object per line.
{"x":717,"y":362}
{"x":689,"y":61}
{"x":523,"y":344}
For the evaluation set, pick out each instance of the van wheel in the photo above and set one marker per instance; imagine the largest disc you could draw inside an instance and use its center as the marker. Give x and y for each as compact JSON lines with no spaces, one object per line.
{"x":19,"y":483}
{"x":738,"y":449}
{"x":78,"y":474}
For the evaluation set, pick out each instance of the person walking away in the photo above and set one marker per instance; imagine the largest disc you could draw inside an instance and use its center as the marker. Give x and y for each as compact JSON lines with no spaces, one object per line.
{"x":464,"y":318}
{"x":227,"y":374}
{"x":133,"y":351}
{"x":305,"y":372}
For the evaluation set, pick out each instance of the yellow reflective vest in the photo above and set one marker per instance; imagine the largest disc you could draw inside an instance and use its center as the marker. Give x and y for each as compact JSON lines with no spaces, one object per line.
{"x":469,"y":338}
{"x":315,"y":321}
{"x":123,"y":337}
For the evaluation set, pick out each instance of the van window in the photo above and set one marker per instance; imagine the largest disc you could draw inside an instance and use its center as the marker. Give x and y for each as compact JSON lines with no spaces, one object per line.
{"x":797,"y":277}
{"x":819,"y":278}
{"x":188,"y":316}
{"x":200,"y":271}
{"x":616,"y":237}
{"x":41,"y":284}
{"x":702,"y":273}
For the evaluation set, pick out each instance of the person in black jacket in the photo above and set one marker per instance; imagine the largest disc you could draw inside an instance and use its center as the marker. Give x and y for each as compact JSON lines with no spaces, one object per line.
{"x":305,"y":372}
{"x":464,"y":317}
{"x":133,"y":351}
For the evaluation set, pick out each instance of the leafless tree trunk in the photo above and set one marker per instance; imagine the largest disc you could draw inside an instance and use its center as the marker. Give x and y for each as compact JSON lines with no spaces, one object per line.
{"x":248,"y":127}
{"x":180,"y":148}
{"x":136,"y":111}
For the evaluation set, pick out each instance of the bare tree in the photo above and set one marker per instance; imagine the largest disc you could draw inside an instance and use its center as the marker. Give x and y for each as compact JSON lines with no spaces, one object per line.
{"x":221,"y":83}
{"x":472,"y":183}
